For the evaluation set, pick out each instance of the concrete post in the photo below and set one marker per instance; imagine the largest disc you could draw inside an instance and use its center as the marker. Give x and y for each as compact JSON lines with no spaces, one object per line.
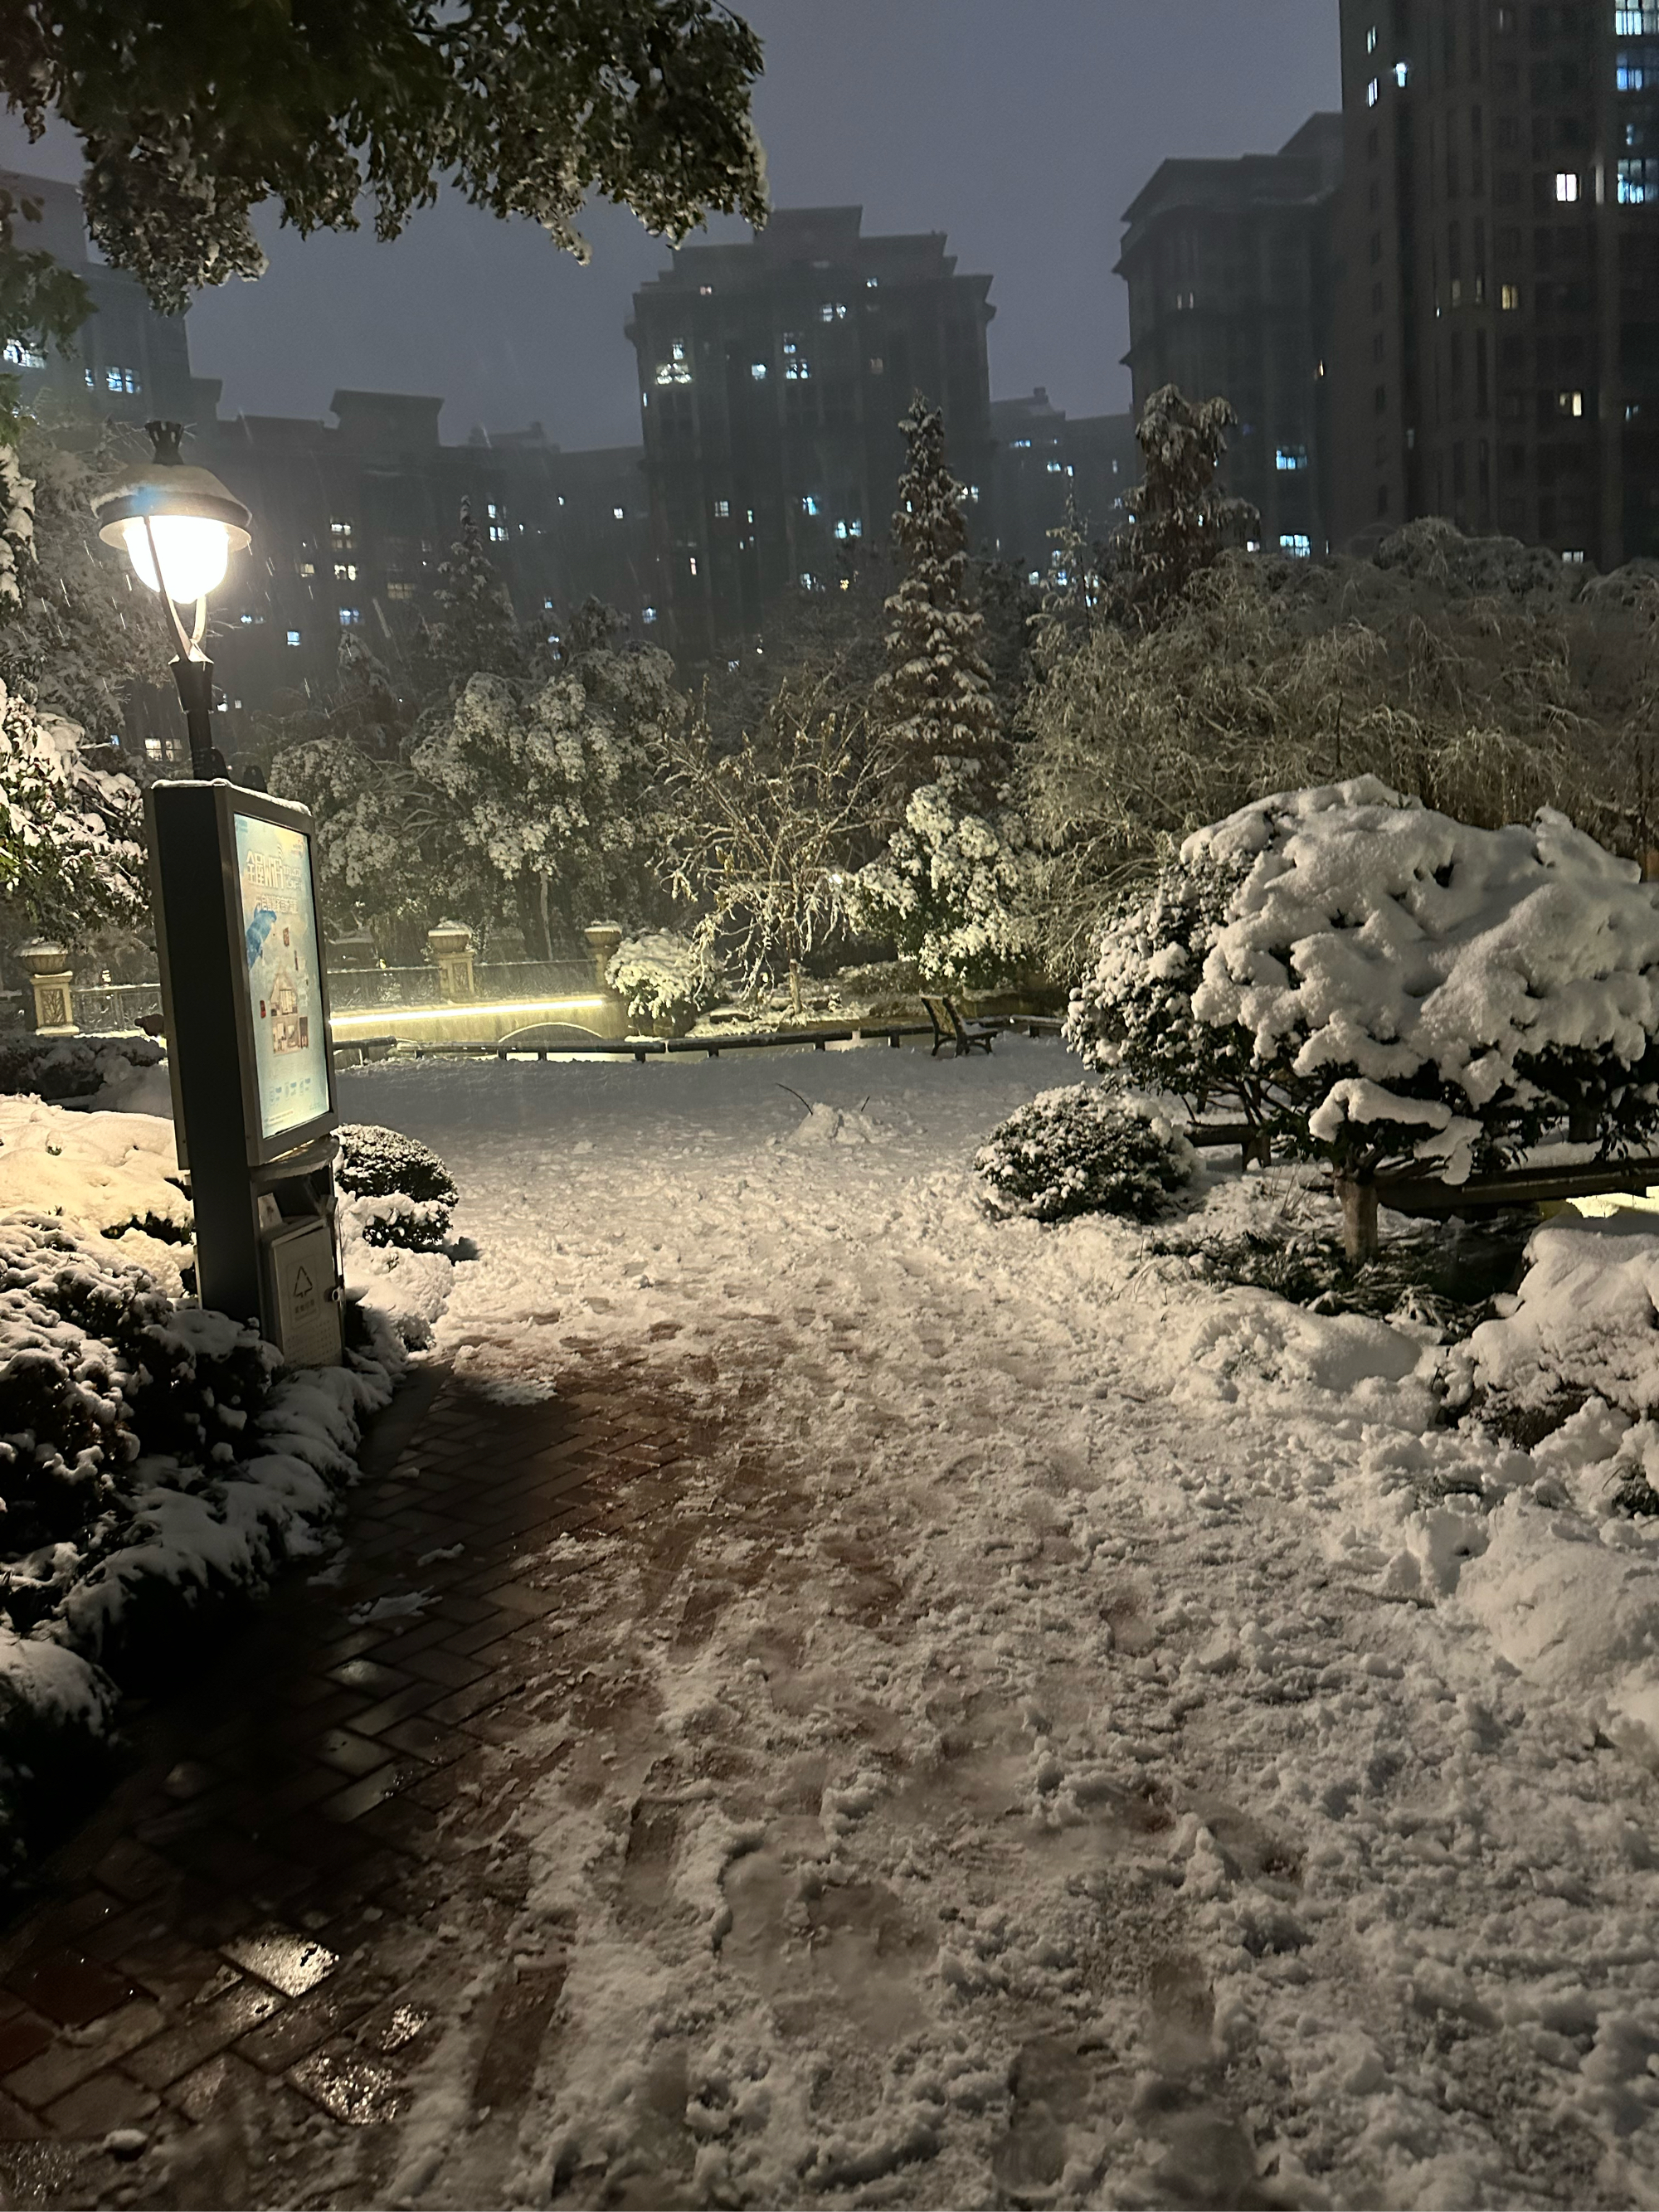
{"x":451,"y":947}
{"x":53,"y":979}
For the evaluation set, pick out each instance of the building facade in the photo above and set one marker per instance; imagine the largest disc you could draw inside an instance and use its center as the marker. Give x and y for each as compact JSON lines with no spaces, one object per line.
{"x":126,"y":360}
{"x":773,"y":376}
{"x":1498,"y":276}
{"x":1228,"y":266}
{"x":352,"y":518}
{"x":1043,"y":459}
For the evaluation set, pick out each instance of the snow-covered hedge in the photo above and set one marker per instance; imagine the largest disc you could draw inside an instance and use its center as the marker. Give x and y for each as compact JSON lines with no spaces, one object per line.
{"x":153,"y":1457}
{"x":72,"y":1067}
{"x":1083,"y":1150}
{"x":664,"y":977}
{"x":398,"y":1191}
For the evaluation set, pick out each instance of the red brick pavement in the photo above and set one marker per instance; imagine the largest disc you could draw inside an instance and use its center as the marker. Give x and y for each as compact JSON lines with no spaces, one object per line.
{"x":244,"y":1950}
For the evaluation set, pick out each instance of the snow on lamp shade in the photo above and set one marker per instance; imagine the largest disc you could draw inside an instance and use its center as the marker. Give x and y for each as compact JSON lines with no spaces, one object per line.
{"x":194,"y":552}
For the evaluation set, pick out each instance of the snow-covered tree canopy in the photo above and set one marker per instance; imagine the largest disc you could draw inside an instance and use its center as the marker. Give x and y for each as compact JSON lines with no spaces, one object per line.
{"x":190,"y":118}
{"x":1422,"y":994}
{"x":41,"y":302}
{"x":70,"y":850}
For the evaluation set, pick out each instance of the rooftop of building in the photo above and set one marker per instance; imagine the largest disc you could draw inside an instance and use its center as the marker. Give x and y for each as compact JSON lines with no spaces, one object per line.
{"x":809,"y":238}
{"x":1307,"y":168}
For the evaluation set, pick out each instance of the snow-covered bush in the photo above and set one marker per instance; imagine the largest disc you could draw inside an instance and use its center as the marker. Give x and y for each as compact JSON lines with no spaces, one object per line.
{"x":398,"y":1192}
{"x":1421,"y":995}
{"x":97,"y":1369}
{"x":952,"y":888}
{"x":664,"y":977}
{"x":70,"y":855}
{"x":72,"y":1068}
{"x":1132,"y":1016}
{"x":111,"y":1175}
{"x":1083,"y":1150}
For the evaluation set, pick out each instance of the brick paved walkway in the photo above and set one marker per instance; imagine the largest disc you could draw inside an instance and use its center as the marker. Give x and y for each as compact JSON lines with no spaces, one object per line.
{"x":271,"y":1917}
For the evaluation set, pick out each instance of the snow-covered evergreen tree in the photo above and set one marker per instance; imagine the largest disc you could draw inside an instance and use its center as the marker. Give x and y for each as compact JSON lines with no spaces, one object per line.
{"x":949,"y":887}
{"x":471,"y":629}
{"x":1180,"y":521}
{"x":71,"y":856}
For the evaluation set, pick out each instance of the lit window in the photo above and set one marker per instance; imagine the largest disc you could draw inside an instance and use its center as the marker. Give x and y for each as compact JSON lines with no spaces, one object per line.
{"x":875,"y":364}
{"x":1633,"y":72}
{"x":293,"y":637}
{"x":1575,"y":558}
{"x":16,"y":355}
{"x":705,"y":291}
{"x":691,"y":560}
{"x":1370,"y":39}
{"x":1019,"y":443}
{"x":497,"y":532}
{"x":1567,"y":186}
{"x":1034,"y":576}
{"x":870,"y":283}
{"x":1570,"y":403}
{"x":1372,"y":94}
{"x":122,"y":380}
{"x":1638,"y":20}
{"x":1053,"y":469}
{"x":809,"y":502}
{"x":832,"y":311}
{"x":618,"y":514}
{"x":1401,"y":71}
{"x":650,"y":614}
{"x":307,"y":568}
{"x":492,"y":510}
{"x":1509,"y":298}
{"x":1294,"y":543}
{"x":723,"y":509}
{"x":851,"y":527}
{"x":809,"y":582}
{"x":757,"y":370}
{"x":1639,"y":183}
{"x":345,"y":572}
{"x":1290,"y":457}
{"x":340,"y":529}
{"x":350,"y":616}
{"x":401,"y":592}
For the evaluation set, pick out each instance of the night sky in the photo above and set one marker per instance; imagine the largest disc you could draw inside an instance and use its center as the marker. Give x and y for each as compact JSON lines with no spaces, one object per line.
{"x":1023,"y":128}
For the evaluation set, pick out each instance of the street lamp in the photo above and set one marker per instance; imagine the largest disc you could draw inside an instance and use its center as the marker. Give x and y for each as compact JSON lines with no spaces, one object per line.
{"x":178,"y":526}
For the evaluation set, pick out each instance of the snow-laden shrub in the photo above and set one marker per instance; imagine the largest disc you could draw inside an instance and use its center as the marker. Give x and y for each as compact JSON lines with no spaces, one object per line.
{"x":1132,"y":1016}
{"x":951,"y":889}
{"x":111,"y":1175}
{"x":97,"y":1368}
{"x":1418,"y":993}
{"x":399,"y":1192}
{"x":1083,"y":1150}
{"x":72,"y":1067}
{"x":664,"y":977}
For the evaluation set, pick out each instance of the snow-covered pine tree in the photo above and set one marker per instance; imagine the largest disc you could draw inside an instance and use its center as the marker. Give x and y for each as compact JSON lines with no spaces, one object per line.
{"x":1180,"y":520}
{"x":471,"y":629}
{"x":947,"y":890}
{"x":935,"y":697}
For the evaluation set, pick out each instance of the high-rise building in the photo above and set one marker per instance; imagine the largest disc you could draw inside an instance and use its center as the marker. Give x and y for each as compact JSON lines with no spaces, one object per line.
{"x":773,"y":377}
{"x":351,"y":520}
{"x":1497,"y":284}
{"x":1227,"y":264}
{"x":1043,"y":458}
{"x":126,"y":360}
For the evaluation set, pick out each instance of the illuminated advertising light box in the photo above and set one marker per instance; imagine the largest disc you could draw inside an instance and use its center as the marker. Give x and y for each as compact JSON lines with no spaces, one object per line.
{"x":285,"y":1014}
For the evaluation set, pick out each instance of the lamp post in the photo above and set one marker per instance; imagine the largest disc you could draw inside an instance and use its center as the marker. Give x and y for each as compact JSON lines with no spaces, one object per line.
{"x":179,"y":526}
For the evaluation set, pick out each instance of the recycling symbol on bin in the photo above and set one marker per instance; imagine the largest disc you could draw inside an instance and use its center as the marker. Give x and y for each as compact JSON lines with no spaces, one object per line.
{"x":302,"y":1284}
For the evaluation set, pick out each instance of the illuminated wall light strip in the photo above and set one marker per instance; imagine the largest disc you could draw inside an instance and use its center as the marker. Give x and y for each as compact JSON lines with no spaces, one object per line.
{"x":386,"y":1017}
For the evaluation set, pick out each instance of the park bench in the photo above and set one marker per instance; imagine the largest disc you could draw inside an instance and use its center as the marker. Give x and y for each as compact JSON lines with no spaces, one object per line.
{"x":963,"y":1036}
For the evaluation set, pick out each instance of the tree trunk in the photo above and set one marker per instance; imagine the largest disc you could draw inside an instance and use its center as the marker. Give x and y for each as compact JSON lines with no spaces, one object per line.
{"x":1360,"y":1238}
{"x":1581,"y":1122}
{"x":794,"y":986}
{"x":547,"y":925}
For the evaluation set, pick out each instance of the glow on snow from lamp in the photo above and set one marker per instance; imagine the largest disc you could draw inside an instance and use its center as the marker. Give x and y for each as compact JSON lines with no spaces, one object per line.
{"x":193,"y":549}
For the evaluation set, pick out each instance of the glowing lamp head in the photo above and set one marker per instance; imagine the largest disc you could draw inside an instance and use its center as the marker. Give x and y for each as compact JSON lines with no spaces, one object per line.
{"x":193,"y":550}
{"x":178,"y":525}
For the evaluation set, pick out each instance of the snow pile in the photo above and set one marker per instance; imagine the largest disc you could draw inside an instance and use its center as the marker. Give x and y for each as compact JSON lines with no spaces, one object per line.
{"x":93,"y":1068}
{"x":395,"y":1218}
{"x":1083,"y":1150}
{"x":1427,"y":990}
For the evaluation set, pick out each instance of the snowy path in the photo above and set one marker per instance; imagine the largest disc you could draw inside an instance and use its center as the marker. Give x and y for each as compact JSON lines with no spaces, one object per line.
{"x":1006,"y":1779}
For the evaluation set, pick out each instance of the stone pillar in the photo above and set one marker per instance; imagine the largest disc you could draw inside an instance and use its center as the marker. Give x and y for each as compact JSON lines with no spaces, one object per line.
{"x":53,"y":980}
{"x":451,"y":947}
{"x":603,"y":939}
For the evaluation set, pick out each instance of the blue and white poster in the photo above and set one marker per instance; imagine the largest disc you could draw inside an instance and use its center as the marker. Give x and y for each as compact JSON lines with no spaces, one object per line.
{"x":284,"y":959}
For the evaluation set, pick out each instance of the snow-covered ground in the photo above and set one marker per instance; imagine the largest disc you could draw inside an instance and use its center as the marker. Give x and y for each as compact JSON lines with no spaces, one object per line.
{"x":1086,"y":1736}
